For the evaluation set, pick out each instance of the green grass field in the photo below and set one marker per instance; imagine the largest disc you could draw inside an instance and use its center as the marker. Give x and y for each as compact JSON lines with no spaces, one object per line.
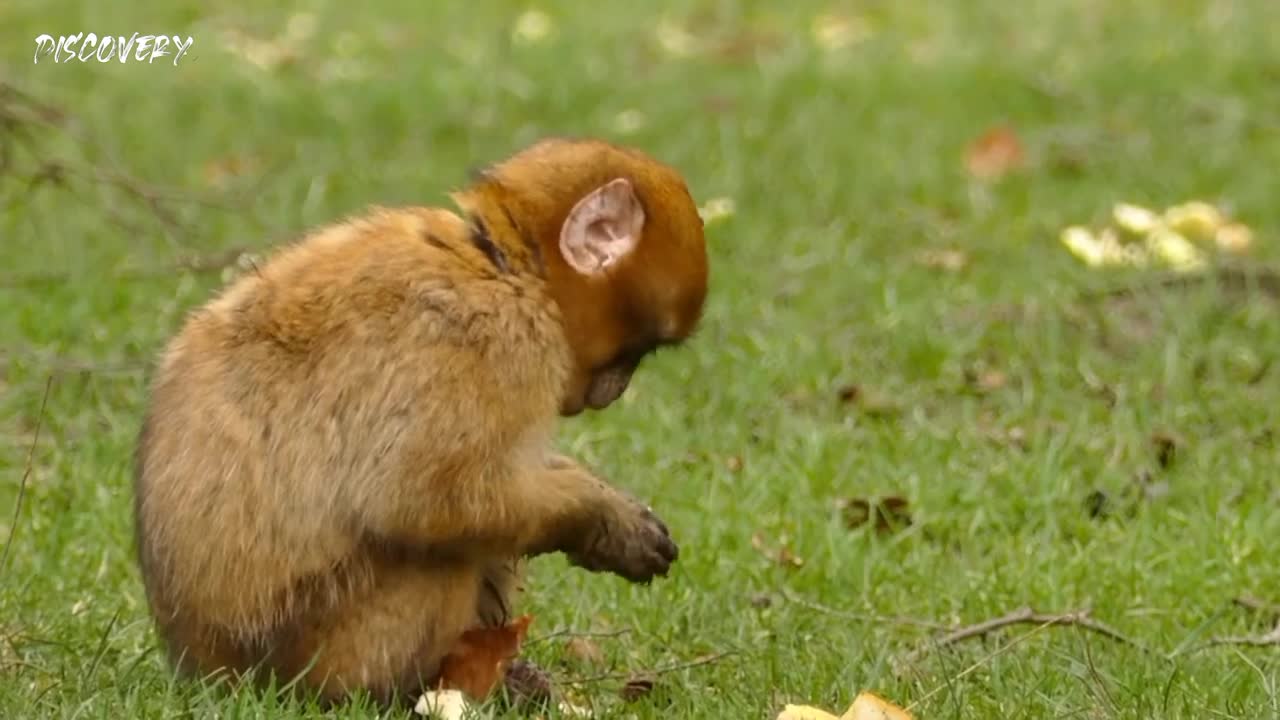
{"x":1017,"y":412}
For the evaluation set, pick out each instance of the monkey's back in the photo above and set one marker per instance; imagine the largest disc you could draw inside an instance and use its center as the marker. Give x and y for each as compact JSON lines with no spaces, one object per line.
{"x":323,"y":390}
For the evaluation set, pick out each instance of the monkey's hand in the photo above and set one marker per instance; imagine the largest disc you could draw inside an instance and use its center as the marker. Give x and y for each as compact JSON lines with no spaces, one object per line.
{"x":627,"y":539}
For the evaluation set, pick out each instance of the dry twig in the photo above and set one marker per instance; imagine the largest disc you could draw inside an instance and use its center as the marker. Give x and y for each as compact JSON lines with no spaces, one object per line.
{"x":1249,"y":602}
{"x":1026,"y":616}
{"x":555,"y":634}
{"x":1264,"y":640}
{"x":707,"y":660}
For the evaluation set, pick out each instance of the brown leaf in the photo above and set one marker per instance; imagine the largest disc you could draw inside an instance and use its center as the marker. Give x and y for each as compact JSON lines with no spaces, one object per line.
{"x":892,"y":513}
{"x":994,"y":154}
{"x":636,"y":688}
{"x":870,"y":403}
{"x":1098,"y":505}
{"x":1166,"y":446}
{"x":943,"y":259}
{"x":849,"y":393}
{"x":222,"y":172}
{"x":761,"y":601}
{"x":479,"y":660}
{"x":583,"y":650}
{"x":733,"y":463}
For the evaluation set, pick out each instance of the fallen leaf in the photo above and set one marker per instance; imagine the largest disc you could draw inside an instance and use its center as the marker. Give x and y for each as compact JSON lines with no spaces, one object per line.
{"x":584,"y":651}
{"x":949,"y":260}
{"x":986,"y":380}
{"x":636,"y":688}
{"x":891,"y":513}
{"x":761,"y":601}
{"x":733,"y":463}
{"x":478,"y":661}
{"x":832,"y":32}
{"x":221,"y":172}
{"x":1166,"y":447}
{"x":849,"y":393}
{"x":994,"y":154}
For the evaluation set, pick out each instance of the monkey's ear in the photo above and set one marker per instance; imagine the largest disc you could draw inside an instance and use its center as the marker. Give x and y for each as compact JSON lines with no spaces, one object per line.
{"x":602,"y":228}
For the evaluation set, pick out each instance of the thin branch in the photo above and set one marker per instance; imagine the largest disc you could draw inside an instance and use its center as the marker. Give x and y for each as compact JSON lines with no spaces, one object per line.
{"x":575,"y":634}
{"x":863,"y":617}
{"x":707,"y":660}
{"x":214,"y":262}
{"x":1249,"y":602}
{"x":977,"y":664}
{"x":26,"y":475}
{"x":1027,"y":616}
{"x":1264,"y":640}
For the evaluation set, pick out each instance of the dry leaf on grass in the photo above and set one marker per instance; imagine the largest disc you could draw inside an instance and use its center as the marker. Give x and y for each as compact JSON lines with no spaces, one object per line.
{"x":994,"y":154}
{"x":479,"y":660}
{"x":636,"y":688}
{"x":891,"y":513}
{"x":582,"y":650}
{"x":867,"y":706}
{"x":950,"y":260}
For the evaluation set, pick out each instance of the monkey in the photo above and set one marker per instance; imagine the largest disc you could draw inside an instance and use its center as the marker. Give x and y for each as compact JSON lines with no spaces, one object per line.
{"x":346,"y":456}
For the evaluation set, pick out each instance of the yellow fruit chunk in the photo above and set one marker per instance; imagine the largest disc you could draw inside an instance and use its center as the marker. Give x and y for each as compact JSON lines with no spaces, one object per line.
{"x":1195,"y":220}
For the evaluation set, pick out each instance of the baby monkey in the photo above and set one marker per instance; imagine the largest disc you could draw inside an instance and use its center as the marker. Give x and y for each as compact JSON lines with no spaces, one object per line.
{"x":346,"y":454}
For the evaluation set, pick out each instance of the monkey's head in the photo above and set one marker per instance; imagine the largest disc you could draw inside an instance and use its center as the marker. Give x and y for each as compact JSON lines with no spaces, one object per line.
{"x":621,"y":242}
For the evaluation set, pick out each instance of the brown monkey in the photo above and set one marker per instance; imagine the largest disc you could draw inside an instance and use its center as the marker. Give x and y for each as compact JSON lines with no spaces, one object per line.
{"x":346,"y":454}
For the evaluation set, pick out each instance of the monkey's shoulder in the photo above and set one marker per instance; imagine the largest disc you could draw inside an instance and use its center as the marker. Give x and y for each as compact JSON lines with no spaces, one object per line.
{"x":390,"y":275}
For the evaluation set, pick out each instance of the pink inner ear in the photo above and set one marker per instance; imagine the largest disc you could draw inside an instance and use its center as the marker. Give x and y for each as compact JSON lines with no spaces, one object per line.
{"x":601,"y":228}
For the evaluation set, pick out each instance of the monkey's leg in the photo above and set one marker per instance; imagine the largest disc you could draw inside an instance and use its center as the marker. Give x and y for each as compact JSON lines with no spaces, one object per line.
{"x":527,"y":685}
{"x":388,"y":638}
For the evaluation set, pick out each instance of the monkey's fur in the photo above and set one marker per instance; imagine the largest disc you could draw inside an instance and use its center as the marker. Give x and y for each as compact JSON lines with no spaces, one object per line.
{"x":346,"y":455}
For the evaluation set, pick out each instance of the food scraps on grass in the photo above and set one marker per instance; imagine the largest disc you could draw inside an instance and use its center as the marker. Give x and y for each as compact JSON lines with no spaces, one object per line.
{"x":867,"y":706}
{"x":1173,"y":238}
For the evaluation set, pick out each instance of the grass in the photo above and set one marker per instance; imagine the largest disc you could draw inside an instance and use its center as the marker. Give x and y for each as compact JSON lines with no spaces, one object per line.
{"x":843,"y":166}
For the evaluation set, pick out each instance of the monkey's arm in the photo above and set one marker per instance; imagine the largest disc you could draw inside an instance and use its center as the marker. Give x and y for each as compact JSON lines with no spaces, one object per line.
{"x":603,"y":530}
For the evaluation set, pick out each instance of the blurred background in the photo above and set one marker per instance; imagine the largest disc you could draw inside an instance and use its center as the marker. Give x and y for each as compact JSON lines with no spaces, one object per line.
{"x":992,"y":325}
